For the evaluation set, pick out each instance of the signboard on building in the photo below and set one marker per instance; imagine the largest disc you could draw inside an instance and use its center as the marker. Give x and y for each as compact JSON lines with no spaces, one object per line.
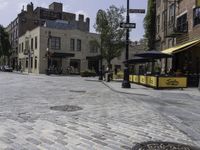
{"x":197,"y":3}
{"x":135,"y":79}
{"x":172,"y":82}
{"x":130,"y":78}
{"x":143,"y":80}
{"x":152,"y":81}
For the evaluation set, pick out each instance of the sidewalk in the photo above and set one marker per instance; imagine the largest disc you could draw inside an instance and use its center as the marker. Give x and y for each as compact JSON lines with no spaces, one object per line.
{"x":146,"y":91}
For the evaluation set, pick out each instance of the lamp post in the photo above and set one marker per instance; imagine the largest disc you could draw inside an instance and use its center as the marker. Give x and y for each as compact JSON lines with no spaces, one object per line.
{"x":126,"y":83}
{"x":101,"y":63}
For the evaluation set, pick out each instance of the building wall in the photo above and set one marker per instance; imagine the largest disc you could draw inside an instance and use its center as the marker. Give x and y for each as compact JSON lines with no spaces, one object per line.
{"x":35,"y":52}
{"x":65,"y":35}
{"x":31,"y":18}
{"x":183,"y":6}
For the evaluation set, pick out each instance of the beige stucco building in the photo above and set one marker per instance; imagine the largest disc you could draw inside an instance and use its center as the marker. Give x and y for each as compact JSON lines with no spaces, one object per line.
{"x":45,"y":47}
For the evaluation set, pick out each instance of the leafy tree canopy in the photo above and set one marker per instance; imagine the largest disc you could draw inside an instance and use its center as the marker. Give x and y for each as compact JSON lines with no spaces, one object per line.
{"x":112,"y":36}
{"x":150,"y":24}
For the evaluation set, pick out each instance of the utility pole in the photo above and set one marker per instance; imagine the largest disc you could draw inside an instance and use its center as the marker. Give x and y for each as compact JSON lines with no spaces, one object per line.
{"x":126,"y":82}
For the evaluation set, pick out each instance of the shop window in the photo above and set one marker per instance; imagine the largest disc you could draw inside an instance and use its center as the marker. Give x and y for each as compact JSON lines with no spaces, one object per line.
{"x":26,"y":62}
{"x":196,"y":14}
{"x":182,"y":24}
{"x":35,"y":62}
{"x":31,"y":62}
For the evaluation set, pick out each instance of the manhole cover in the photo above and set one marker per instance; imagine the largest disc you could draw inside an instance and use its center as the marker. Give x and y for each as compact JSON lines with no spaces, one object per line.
{"x":162,"y":146}
{"x":68,"y":108}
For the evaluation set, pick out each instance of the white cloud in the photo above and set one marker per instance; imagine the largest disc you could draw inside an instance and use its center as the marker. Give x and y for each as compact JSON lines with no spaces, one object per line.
{"x":3,"y":4}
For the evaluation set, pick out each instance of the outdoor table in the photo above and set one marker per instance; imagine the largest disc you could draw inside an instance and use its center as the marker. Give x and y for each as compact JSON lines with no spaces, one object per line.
{"x":160,"y":81}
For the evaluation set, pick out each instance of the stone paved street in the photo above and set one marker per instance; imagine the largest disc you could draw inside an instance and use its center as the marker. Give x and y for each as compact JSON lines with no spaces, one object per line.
{"x":108,"y":120}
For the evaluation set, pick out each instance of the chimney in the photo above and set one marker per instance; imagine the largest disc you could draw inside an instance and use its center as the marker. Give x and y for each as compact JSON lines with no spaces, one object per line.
{"x":81,"y":18}
{"x":57,"y":7}
{"x":88,"y":23}
{"x":30,"y":7}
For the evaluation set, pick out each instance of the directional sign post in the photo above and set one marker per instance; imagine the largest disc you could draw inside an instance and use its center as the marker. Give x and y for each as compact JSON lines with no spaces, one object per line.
{"x":137,"y":11}
{"x":127,"y":25}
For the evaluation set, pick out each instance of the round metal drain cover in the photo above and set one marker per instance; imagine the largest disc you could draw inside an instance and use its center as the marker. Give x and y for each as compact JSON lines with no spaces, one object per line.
{"x":162,"y":146}
{"x":68,"y":108}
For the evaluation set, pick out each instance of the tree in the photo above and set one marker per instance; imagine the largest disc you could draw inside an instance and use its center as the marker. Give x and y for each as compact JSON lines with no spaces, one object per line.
{"x":111,"y":35}
{"x":150,"y":24}
{"x":4,"y":44}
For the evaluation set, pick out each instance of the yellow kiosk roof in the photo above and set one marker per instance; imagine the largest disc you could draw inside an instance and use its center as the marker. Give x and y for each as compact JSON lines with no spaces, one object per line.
{"x":181,"y":47}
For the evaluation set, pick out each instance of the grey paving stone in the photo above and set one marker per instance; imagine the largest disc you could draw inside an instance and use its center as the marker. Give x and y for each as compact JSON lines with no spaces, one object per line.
{"x":6,"y":140}
{"x":99,"y":142}
{"x":47,"y":141}
{"x":9,"y":135}
{"x":108,"y":120}
{"x":34,"y":141}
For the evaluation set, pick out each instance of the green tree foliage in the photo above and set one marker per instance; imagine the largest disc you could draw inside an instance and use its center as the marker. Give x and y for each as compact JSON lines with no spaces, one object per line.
{"x":112,"y":36}
{"x":150,"y":24}
{"x":4,"y":43}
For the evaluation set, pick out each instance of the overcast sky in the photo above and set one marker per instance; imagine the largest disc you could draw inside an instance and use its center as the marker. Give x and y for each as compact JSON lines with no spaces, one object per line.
{"x":10,"y":8}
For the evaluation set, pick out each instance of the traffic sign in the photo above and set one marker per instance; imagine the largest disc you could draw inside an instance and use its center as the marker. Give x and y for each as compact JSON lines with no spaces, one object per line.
{"x":139,"y":11}
{"x":128,"y":25}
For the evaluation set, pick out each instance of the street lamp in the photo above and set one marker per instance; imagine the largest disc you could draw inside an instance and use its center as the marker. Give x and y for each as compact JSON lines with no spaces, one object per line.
{"x":101,"y":63}
{"x":126,"y":83}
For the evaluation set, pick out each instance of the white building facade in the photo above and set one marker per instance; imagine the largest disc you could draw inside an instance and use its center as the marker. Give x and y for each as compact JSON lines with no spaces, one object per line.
{"x":60,"y":49}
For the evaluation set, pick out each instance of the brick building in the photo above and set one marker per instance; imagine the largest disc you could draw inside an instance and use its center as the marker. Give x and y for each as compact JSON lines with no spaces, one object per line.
{"x":178,"y":33}
{"x":31,"y":18}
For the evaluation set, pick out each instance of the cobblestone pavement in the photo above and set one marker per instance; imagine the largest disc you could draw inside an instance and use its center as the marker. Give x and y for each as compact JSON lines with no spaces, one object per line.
{"x":179,"y":107}
{"x":107,"y":121}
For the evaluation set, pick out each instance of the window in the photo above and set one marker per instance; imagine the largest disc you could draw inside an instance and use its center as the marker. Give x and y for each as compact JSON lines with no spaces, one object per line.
{"x":78,"y":45}
{"x":22,"y":47}
{"x":35,"y":62}
{"x":182,"y":23}
{"x":31,"y":62}
{"x":55,"y":43}
{"x":26,"y":62}
{"x":196,"y":15}
{"x":171,"y":14}
{"x":19,"y":48}
{"x":158,"y":24}
{"x":72,"y":44}
{"x":93,"y":48}
{"x":36,"y":42}
{"x":32,"y":44}
{"x":164,"y":20}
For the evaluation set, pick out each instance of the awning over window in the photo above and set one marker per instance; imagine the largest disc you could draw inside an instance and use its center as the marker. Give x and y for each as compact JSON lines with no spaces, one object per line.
{"x":62,"y":55}
{"x":97,"y":57}
{"x":182,"y":47}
